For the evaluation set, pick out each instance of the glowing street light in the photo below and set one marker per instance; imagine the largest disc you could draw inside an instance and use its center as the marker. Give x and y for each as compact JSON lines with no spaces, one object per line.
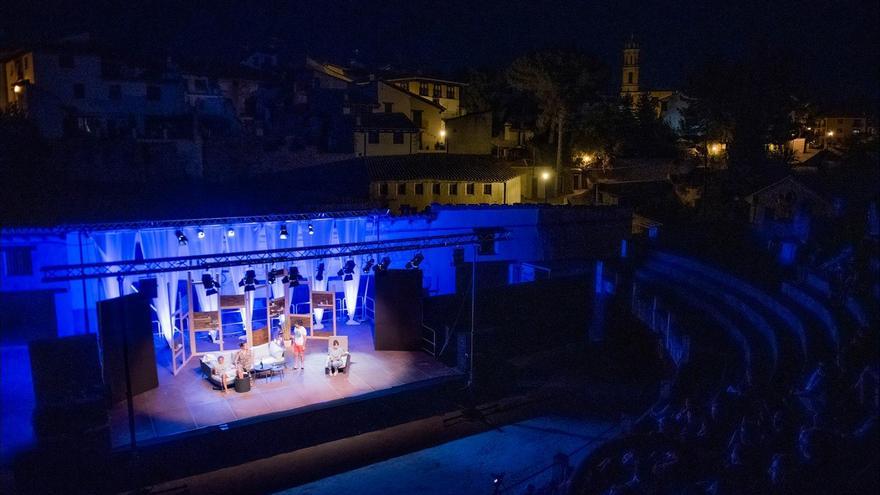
{"x":830,"y":133}
{"x":544,"y":177}
{"x":17,"y":88}
{"x":443,"y":133}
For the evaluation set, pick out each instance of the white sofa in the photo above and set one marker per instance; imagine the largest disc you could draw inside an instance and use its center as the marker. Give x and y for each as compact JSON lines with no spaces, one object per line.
{"x":266,"y":354}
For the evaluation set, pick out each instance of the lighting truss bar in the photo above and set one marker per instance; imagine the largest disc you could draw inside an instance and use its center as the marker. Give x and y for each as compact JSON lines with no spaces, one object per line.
{"x":196,"y":222}
{"x":57,"y":273}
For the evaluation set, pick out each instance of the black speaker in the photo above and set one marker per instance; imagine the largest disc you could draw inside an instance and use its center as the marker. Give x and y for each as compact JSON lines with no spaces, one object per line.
{"x":398,"y":322}
{"x":126,"y":333}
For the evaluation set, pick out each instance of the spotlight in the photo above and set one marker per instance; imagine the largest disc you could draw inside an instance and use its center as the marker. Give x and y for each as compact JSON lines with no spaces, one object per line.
{"x":369,"y":265}
{"x":415,"y":262}
{"x":283,"y":233}
{"x":210,"y":284}
{"x":347,"y":271}
{"x":320,"y":274}
{"x":293,"y":277}
{"x":311,"y":230}
{"x":230,"y":233}
{"x":383,"y":265}
{"x":201,"y":234}
{"x":273,"y":274}
{"x":181,"y":239}
{"x":249,"y":282}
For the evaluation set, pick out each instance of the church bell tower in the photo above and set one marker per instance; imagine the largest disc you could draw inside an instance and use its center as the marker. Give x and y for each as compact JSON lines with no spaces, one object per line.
{"x":629,"y":85}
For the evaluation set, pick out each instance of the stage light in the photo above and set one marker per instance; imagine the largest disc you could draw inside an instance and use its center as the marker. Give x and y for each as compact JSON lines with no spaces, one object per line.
{"x":320,"y":274}
{"x":200,"y":234}
{"x":230,"y":232}
{"x":181,"y":238}
{"x":293,"y":277}
{"x":283,"y":233}
{"x":369,"y":265}
{"x":347,"y":271}
{"x":311,"y":230}
{"x":273,"y":274}
{"x":383,"y":265}
{"x":249,"y":282}
{"x":415,"y":262}
{"x":210,"y":284}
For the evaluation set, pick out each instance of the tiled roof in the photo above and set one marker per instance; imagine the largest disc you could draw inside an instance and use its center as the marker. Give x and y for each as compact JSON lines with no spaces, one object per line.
{"x":384,"y":121}
{"x":438,"y":166}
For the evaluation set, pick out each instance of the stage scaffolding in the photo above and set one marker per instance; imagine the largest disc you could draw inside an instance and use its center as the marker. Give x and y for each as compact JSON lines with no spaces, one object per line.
{"x":125,"y":268}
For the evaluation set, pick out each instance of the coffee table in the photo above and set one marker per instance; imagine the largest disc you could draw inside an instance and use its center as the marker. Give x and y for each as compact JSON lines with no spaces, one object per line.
{"x":268,"y":371}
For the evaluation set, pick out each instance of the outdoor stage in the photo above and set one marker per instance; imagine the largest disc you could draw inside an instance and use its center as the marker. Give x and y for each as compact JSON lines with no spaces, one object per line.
{"x":188,"y":401}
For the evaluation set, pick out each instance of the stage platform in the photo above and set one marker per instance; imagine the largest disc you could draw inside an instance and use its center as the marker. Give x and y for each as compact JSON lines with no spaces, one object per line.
{"x":188,"y":401}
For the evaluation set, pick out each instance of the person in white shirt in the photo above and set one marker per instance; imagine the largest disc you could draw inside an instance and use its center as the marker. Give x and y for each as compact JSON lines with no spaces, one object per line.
{"x":220,"y":370}
{"x":299,"y":344}
{"x":335,"y":358}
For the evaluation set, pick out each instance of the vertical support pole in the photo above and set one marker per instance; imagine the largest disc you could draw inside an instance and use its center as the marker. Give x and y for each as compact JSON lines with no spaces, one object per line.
{"x":473,"y":315}
{"x":189,"y":313}
{"x":128,"y":396}
{"x":83,"y":280}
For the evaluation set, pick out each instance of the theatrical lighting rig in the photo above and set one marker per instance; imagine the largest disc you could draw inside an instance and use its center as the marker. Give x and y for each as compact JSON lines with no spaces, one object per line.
{"x":293,"y":278}
{"x":210,"y":284}
{"x":383,"y":265}
{"x":320,"y":271}
{"x":311,"y":230}
{"x":347,"y":271}
{"x":181,"y":238}
{"x":283,"y":233}
{"x":249,"y":282}
{"x":415,"y":262}
{"x":230,"y":232}
{"x":273,"y":274}
{"x":369,"y":265}
{"x":200,"y":234}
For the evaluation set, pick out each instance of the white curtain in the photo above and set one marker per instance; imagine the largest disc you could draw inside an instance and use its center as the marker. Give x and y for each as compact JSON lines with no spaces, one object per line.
{"x":160,"y":244}
{"x":213,"y":242}
{"x":115,"y":246}
{"x":352,"y":231}
{"x":246,"y":239}
{"x":322,"y":236}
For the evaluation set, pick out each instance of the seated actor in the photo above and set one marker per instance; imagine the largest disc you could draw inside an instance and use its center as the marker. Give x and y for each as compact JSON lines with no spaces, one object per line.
{"x":335,"y":358}
{"x":219,"y":369}
{"x":244,"y":360}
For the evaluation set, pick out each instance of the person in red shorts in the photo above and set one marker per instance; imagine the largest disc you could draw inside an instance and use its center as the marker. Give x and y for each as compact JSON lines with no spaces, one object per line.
{"x":299,"y":344}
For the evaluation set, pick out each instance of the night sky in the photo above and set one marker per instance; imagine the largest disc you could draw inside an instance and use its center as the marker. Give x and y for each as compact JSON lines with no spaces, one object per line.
{"x":835,"y":42}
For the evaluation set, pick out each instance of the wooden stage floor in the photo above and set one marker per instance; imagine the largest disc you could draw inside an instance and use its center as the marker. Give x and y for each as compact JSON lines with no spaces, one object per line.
{"x":188,"y":401}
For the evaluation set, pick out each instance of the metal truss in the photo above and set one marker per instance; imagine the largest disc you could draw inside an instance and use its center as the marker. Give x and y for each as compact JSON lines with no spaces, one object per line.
{"x":57,"y":273}
{"x":197,"y":222}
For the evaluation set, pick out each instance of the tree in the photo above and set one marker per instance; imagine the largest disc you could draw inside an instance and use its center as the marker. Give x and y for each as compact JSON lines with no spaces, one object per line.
{"x":560,"y":81}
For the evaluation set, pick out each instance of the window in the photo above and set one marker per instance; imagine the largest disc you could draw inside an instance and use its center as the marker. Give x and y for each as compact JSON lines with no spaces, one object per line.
{"x":438,"y":90}
{"x":401,"y":189}
{"x":435,"y":189}
{"x":25,"y":63}
{"x":629,"y":77}
{"x":373,"y":137}
{"x":389,"y":106}
{"x":79,"y":91}
{"x":154,"y":93}
{"x":471,"y":188}
{"x":487,"y":189}
{"x":423,"y":89}
{"x":383,"y":189}
{"x":398,"y":137}
{"x":839,"y":121}
{"x":65,"y":61}
{"x":420,"y":189}
{"x":18,"y":261}
{"x":453,"y":189}
{"x":417,"y":118}
{"x":857,"y":122}
{"x":114,"y":92}
{"x":450,"y":92}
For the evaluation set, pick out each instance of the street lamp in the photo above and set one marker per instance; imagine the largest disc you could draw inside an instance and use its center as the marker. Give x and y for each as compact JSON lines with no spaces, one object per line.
{"x":544,"y":177}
